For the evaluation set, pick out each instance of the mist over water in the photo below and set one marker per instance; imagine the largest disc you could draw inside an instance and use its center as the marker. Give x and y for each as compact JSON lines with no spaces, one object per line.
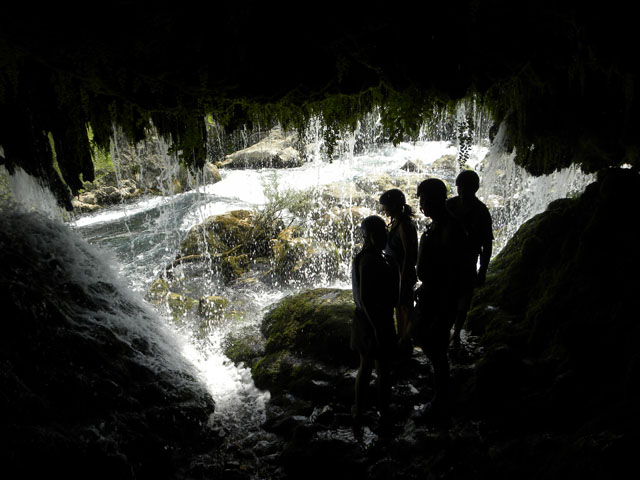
{"x":137,"y":241}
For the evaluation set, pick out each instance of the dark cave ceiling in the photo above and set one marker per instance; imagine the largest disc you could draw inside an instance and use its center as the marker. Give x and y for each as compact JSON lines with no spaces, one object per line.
{"x":561,"y":74}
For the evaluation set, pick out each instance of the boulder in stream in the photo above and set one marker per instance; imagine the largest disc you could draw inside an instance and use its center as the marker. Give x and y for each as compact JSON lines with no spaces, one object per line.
{"x":276,"y":150}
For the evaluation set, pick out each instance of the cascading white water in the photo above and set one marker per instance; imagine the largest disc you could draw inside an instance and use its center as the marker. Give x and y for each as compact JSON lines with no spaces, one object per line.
{"x":513,"y":196}
{"x":143,"y":237}
{"x":26,"y":191}
{"x":69,"y":266}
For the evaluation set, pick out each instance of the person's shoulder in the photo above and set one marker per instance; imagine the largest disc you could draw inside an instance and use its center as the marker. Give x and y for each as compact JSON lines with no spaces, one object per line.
{"x":453,"y":201}
{"x":409,"y":223}
{"x":480,"y":205}
{"x":368,"y":257}
{"x":482,"y":210}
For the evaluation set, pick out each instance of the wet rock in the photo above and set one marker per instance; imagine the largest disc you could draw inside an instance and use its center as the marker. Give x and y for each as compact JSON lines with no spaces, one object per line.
{"x":145,"y":168}
{"x":414,"y":166}
{"x":218,"y":234}
{"x":315,"y":323}
{"x":345,"y":195}
{"x":213,"y":308}
{"x":245,"y":347}
{"x":340,"y":225}
{"x":232,"y":242}
{"x":84,"y":396}
{"x":181,"y":306}
{"x":277,"y":150}
{"x":324,"y":454}
{"x":302,"y":259}
{"x":553,"y":319}
{"x":84,"y":206}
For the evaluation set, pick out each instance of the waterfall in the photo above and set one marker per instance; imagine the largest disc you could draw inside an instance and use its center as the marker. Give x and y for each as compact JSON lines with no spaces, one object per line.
{"x":25,"y":190}
{"x":140,"y":238}
{"x":514,"y":196}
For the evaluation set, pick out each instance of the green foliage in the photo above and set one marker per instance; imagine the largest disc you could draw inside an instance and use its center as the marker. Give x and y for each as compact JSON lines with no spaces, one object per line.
{"x":562,"y":100}
{"x":100,"y":155}
{"x":465,"y":141}
{"x":282,"y":205}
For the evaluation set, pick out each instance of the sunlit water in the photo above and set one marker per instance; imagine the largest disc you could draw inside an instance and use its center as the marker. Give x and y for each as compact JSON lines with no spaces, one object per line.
{"x":140,"y":239}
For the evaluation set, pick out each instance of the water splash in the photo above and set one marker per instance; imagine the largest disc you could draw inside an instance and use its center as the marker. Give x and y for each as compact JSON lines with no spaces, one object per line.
{"x":29,"y":193}
{"x":142,"y":237}
{"x":65,"y":266}
{"x":514,"y":196}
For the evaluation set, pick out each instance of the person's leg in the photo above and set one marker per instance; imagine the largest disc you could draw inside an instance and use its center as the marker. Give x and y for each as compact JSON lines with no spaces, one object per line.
{"x":440,"y":362}
{"x":405,"y":345}
{"x":436,"y":351}
{"x":383,"y":385}
{"x":362,"y":384}
{"x":461,"y":316}
{"x":403,"y":319}
{"x":457,"y":327}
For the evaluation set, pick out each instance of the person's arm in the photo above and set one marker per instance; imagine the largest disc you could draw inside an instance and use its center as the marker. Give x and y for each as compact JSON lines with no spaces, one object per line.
{"x":486,"y":248}
{"x":403,"y":241}
{"x":420,"y":267}
{"x":367,"y":292}
{"x":485,"y":257}
{"x":410,"y":246}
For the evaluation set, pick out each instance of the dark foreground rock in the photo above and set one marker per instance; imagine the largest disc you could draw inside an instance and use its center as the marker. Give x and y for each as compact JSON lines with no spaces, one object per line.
{"x":90,"y":385}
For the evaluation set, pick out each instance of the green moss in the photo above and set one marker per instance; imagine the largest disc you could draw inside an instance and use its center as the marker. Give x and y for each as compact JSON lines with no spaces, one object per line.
{"x":234,"y":266}
{"x":100,"y":155}
{"x":218,"y":234}
{"x":560,"y":288}
{"x":587,"y":115}
{"x":315,"y":323}
{"x":158,"y":291}
{"x":282,"y":372}
{"x":181,"y":306}
{"x":213,"y":308}
{"x":246,"y":349}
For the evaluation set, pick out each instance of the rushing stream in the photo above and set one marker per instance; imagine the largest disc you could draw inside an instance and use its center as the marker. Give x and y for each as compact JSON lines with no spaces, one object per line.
{"x":142,"y":238}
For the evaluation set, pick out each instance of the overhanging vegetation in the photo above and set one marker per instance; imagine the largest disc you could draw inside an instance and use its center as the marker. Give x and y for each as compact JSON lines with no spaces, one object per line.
{"x":558,"y":77}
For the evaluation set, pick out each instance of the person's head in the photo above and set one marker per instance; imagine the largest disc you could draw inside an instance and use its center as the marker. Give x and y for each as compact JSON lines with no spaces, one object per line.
{"x":468,"y":183}
{"x":433,"y":196}
{"x":374,"y":232}
{"x":394,"y":203}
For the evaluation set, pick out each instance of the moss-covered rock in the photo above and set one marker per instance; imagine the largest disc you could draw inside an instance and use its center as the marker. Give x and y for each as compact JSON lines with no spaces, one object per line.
{"x":447,"y":166}
{"x":234,"y":266}
{"x":303,"y":346}
{"x":282,"y":372}
{"x":298,"y":258}
{"x":245,"y":347}
{"x":212,"y":307}
{"x":340,"y":225}
{"x":288,"y":249}
{"x":315,"y":323}
{"x":232,"y":241}
{"x":343,"y":195}
{"x":218,"y":234}
{"x":559,"y":299}
{"x":182,"y":306}
{"x":158,"y":291}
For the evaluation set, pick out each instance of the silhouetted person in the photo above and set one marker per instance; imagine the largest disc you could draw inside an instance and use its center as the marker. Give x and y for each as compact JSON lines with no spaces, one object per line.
{"x":476,"y":219}
{"x":440,"y":268}
{"x":375,"y":283}
{"x":402,"y":246}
